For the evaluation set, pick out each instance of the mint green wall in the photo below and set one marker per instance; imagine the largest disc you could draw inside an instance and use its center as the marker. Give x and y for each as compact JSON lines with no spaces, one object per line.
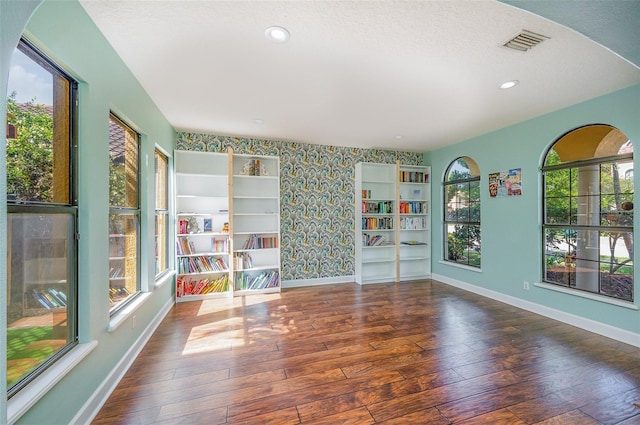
{"x":511,"y":246}
{"x":13,"y":17}
{"x":62,"y":30}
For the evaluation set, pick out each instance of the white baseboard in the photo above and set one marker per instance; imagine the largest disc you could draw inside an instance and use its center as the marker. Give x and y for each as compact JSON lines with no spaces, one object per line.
{"x":319,"y":281}
{"x":92,"y":407}
{"x":603,"y":329}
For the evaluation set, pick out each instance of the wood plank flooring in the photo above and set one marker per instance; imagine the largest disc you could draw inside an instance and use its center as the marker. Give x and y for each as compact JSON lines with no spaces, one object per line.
{"x":411,"y":353}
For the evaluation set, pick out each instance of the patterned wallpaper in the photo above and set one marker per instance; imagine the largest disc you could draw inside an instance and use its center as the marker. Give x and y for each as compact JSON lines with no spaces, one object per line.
{"x":317,"y":197}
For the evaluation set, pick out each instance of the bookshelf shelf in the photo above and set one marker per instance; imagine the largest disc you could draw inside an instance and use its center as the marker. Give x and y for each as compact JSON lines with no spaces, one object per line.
{"x":393,"y":222}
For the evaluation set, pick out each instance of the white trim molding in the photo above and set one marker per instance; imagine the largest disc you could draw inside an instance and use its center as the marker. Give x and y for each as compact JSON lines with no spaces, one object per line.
{"x":603,"y":329}
{"x":24,"y":399}
{"x":92,"y":407}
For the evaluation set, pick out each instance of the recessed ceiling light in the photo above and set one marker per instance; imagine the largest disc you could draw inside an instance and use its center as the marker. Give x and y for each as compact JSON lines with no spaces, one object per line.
{"x":259,"y":121}
{"x":399,"y":136}
{"x":277,"y":34}
{"x":509,"y":84}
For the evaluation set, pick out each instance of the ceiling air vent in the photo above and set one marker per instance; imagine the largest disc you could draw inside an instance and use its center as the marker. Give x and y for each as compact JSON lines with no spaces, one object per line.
{"x":525,"y":40}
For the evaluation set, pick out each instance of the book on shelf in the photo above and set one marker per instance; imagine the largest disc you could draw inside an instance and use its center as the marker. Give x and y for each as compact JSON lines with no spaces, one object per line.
{"x":201,"y":264}
{"x":220,"y":244}
{"x":242,"y":260}
{"x":264,"y":280}
{"x":414,"y":177}
{"x":207,"y":225}
{"x":260,"y":242}
{"x":375,"y":240}
{"x":186,"y":285}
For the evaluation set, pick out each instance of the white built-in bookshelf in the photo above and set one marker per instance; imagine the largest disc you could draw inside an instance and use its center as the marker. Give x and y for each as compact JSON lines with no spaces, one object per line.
{"x":255,"y":225}
{"x":227,"y":223}
{"x":414,"y":230}
{"x":202,"y":222}
{"x":392,"y":234}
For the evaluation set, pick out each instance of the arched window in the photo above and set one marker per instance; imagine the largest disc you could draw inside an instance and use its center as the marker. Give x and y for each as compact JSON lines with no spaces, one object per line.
{"x":462,"y":212}
{"x":588,"y":212}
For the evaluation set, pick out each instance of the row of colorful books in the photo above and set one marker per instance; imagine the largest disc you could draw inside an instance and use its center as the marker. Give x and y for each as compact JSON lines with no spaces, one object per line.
{"x":414,"y":177}
{"x":413,"y":223}
{"x":372,"y":240}
{"x":377,"y":223}
{"x":188,"y":286}
{"x":258,"y":242}
{"x":380,"y":207}
{"x":202,"y":264}
{"x":266,"y":279}
{"x":48,"y":298}
{"x":413,"y":207}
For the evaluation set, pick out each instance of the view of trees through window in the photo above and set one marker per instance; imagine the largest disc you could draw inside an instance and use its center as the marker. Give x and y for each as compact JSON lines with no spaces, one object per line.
{"x":588,"y":212}
{"x":462,"y":213}
{"x":162,"y":211}
{"x":41,"y":219}
{"x":124,"y":213}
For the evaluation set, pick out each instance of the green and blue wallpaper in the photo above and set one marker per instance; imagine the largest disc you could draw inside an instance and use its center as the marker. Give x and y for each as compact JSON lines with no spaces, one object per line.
{"x":317,"y":198}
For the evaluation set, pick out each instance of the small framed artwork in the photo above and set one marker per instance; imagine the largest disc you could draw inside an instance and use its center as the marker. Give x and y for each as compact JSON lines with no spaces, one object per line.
{"x":207,"y":225}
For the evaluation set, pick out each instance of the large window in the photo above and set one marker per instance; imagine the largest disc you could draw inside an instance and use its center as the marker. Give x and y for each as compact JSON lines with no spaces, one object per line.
{"x":42,"y":216}
{"x":588,"y":212}
{"x":462,"y":212}
{"x":162,"y":212}
{"x":124,"y":213}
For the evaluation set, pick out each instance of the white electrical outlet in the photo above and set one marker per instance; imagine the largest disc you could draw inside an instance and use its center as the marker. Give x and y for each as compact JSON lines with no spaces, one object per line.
{"x":526,"y":285}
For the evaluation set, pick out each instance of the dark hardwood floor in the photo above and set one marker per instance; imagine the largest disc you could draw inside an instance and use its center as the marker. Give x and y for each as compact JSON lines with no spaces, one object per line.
{"x":411,"y":353}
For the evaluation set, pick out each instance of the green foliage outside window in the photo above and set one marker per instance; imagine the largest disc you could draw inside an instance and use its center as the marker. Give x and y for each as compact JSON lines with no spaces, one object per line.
{"x":30,"y":154}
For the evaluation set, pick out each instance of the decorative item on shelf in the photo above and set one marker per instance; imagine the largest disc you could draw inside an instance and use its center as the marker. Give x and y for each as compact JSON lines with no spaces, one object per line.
{"x":208,"y":225}
{"x":192,"y":225}
{"x":253,"y":167}
{"x":225,"y":228}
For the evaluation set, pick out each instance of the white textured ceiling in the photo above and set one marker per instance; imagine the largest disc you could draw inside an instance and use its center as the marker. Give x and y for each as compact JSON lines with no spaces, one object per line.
{"x":353,"y":73}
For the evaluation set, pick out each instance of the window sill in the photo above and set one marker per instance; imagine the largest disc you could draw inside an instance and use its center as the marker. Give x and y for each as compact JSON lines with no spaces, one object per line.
{"x":20,"y":403}
{"x":461,"y":266}
{"x":588,"y":295}
{"x":164,"y":278}
{"x":121,"y":316}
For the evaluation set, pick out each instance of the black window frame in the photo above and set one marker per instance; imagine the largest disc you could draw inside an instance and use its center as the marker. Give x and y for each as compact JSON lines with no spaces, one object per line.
{"x":50,"y":208}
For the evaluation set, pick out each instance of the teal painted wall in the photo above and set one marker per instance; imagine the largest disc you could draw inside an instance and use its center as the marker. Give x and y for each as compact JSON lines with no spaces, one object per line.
{"x":511,"y":245}
{"x":63,"y":31}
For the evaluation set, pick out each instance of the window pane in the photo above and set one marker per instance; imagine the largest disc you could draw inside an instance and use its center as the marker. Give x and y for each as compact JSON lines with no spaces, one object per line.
{"x":38,"y":159}
{"x":161,"y":243}
{"x":40,"y":290}
{"x":161,"y":168}
{"x":557,"y":211}
{"x":161,"y":222}
{"x":123,"y":165}
{"x":123,"y":256}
